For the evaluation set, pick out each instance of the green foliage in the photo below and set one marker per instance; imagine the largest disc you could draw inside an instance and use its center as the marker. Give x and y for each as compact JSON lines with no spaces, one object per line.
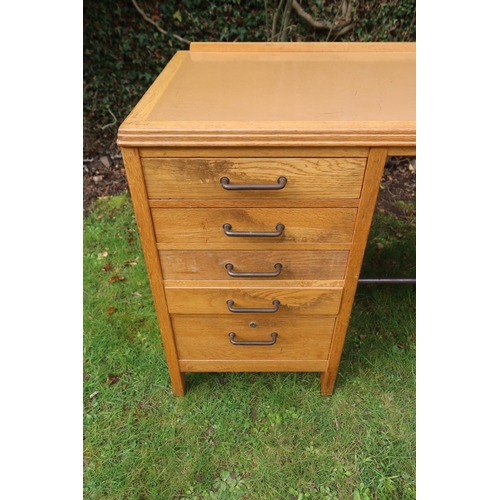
{"x":391,"y":248}
{"x":228,"y":487}
{"x":239,"y":435}
{"x":385,"y":21}
{"x":123,"y":53}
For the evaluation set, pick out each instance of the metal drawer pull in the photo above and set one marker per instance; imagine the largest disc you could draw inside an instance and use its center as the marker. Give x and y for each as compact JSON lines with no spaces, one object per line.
{"x":230,"y":303}
{"x":261,"y":187}
{"x":279,"y":231}
{"x":274,"y":336}
{"x":277,"y":266}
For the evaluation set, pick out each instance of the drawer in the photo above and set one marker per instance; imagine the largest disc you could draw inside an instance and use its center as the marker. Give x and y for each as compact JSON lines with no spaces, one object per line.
{"x":318,"y":178}
{"x":197,"y":228}
{"x":292,"y":300}
{"x":295,"y":265}
{"x":207,"y":338}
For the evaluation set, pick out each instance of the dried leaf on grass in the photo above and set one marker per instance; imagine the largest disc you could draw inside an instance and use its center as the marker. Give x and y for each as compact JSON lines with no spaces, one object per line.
{"x":113,"y":379}
{"x":132,"y":262}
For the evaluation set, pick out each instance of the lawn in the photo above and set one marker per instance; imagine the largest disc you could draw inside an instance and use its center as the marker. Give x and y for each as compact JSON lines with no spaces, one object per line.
{"x":244,"y":435}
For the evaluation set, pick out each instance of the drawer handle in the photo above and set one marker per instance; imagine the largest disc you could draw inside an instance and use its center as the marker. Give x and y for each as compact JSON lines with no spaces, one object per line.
{"x":230,"y":303}
{"x":261,"y":187}
{"x":279,"y":231}
{"x":274,"y":336}
{"x":277,"y":266}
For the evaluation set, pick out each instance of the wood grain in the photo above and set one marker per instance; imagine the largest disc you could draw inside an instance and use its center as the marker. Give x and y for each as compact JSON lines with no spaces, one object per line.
{"x":297,"y":301}
{"x":270,"y":134}
{"x":143,"y":216}
{"x":254,"y":203}
{"x":179,"y":245}
{"x":210,"y":264}
{"x":256,"y":152}
{"x":196,"y":228}
{"x":208,"y":337}
{"x":375,"y":168}
{"x":273,"y":365}
{"x":183,"y":178}
{"x":241,"y":283}
{"x":401,"y":151}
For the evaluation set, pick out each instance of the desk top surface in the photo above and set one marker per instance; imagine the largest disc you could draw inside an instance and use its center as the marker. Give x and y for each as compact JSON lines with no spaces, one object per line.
{"x":260,"y":93}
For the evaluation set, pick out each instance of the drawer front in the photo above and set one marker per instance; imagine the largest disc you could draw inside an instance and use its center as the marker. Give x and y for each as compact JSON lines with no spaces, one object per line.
{"x":207,"y":338}
{"x":297,"y":301}
{"x":317,"y":178}
{"x":189,"y":228}
{"x":295,"y":265}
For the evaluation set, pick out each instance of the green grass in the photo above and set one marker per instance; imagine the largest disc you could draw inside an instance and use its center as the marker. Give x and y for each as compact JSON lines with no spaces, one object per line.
{"x":243,"y":435}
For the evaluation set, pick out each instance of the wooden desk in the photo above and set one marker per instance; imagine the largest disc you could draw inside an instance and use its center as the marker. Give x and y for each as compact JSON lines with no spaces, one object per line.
{"x":254,"y":170}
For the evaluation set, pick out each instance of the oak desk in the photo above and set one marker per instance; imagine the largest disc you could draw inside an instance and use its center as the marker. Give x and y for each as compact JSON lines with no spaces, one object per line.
{"x":254,"y":170}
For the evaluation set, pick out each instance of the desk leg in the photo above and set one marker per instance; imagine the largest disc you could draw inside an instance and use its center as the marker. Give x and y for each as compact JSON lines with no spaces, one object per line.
{"x":369,"y":192}
{"x":178,"y":381}
{"x":133,"y":167}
